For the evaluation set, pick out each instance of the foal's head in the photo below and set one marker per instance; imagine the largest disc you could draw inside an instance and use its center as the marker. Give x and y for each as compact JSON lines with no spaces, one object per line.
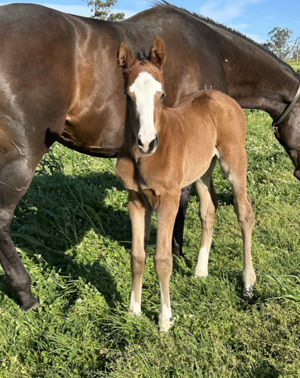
{"x":144,"y":92}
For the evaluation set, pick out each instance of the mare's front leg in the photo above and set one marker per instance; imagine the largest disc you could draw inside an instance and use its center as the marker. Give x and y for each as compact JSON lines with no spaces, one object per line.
{"x":177,"y":240}
{"x":166,"y":214}
{"x":140,"y":216}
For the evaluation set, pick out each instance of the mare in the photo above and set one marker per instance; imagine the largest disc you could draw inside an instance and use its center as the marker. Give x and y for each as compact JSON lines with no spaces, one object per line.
{"x":59,"y":82}
{"x":167,"y":149}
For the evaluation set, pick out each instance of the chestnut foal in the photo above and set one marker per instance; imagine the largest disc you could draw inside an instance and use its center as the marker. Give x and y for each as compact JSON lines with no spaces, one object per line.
{"x":167,"y":149}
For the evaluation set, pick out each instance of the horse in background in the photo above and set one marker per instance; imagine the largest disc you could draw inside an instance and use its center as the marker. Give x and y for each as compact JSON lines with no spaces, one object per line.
{"x":166,"y":149}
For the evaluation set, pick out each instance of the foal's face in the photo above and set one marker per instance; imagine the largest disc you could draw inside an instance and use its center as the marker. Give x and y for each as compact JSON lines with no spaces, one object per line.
{"x":144,"y":96}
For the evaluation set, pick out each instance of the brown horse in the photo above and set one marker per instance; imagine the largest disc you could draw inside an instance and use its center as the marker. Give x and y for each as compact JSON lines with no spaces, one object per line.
{"x":167,"y":149}
{"x":59,"y":82}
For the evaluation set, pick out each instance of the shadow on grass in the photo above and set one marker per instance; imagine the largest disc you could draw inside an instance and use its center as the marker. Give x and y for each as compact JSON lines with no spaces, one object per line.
{"x":58,"y":211}
{"x":55,"y":215}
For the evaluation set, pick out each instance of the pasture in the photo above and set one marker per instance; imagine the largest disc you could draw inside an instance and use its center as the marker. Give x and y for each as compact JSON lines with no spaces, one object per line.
{"x":72,"y":231}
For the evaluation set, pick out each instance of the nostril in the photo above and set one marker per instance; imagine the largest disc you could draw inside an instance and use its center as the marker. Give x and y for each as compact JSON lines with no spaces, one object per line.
{"x":140,"y":143}
{"x":153,"y":144}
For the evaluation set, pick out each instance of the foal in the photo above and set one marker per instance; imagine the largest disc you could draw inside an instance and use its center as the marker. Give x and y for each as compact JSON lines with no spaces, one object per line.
{"x":167,"y":149}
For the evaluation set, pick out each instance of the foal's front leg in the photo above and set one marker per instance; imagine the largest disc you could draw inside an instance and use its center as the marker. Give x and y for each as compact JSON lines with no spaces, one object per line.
{"x":140,"y":215}
{"x":166,"y":214}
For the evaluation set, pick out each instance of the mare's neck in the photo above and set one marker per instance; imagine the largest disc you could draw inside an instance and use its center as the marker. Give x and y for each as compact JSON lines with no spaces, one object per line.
{"x":256,"y":79}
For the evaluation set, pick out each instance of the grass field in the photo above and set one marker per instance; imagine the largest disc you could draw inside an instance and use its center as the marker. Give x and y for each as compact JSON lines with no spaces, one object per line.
{"x":294,"y":64}
{"x":72,"y":231}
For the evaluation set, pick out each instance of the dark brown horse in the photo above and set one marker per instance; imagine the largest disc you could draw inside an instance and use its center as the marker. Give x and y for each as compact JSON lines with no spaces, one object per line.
{"x":59,"y":82}
{"x":166,"y":149}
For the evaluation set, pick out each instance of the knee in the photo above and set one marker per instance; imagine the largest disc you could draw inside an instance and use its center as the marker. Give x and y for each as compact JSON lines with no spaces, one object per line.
{"x":246,"y":215}
{"x":163,"y":264}
{"x":207,"y":219}
{"x":138,"y":262}
{"x":5,"y":239}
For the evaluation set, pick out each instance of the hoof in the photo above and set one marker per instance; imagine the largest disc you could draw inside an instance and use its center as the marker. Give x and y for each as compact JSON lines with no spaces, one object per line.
{"x":164,"y":326}
{"x":248,"y":294}
{"x":200,"y":273}
{"x":297,"y":174}
{"x":176,"y":249}
{"x":32,"y":305}
{"x":134,"y":313}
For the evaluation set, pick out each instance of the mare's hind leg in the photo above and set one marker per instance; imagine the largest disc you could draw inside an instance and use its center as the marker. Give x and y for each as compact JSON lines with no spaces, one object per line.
{"x":207,"y":211}
{"x":16,"y":171}
{"x":234,"y":167}
{"x":140,"y":216}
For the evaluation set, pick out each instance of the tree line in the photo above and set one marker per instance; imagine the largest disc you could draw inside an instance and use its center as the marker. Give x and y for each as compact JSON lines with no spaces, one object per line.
{"x":282,"y":44}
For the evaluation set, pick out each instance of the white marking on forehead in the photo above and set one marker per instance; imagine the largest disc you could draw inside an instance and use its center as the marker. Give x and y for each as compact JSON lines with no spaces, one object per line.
{"x":145,"y":88}
{"x":145,"y":82}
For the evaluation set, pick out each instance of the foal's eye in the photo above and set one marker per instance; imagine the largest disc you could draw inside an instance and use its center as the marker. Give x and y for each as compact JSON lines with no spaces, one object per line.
{"x":162,"y":97}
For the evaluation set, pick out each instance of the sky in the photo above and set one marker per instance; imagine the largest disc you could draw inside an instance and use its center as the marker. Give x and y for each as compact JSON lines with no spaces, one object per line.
{"x":253,"y":18}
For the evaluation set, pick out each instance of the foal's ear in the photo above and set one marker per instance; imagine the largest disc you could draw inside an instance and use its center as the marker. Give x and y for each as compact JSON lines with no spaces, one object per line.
{"x":157,"y":52}
{"x":125,"y":56}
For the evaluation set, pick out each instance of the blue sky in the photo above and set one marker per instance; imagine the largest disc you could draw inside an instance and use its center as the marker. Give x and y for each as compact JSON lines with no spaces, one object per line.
{"x":254,"y":18}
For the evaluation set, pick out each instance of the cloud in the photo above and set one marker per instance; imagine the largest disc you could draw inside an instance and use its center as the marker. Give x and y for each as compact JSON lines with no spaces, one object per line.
{"x":225,"y":11}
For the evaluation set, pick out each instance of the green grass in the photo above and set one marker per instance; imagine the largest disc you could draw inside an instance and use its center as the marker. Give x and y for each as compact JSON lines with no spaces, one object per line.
{"x":294,"y":64}
{"x":72,"y":231}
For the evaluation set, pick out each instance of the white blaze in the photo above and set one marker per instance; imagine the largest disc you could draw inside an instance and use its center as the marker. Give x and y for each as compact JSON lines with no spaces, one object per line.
{"x":144,"y":88}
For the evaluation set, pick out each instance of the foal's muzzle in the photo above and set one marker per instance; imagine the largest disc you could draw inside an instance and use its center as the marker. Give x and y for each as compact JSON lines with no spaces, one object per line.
{"x":147,"y":148}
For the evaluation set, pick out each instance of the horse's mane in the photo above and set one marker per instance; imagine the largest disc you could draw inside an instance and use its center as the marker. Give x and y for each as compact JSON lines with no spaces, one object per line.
{"x":210,"y":22}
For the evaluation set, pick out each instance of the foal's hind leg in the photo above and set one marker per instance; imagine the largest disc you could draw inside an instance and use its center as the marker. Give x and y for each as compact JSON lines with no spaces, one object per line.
{"x":16,"y":172}
{"x":140,"y":216}
{"x":207,"y":211}
{"x":234,"y":167}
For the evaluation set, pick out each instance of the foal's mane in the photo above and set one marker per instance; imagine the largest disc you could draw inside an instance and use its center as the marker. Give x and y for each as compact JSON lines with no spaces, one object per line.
{"x":210,"y":22}
{"x":141,"y":56}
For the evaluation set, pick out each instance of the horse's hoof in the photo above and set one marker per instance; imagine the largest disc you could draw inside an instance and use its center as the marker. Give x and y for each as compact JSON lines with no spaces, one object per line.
{"x":32,"y":305}
{"x":248,"y":294}
{"x":176,"y":248}
{"x":164,"y":326}
{"x":297,"y":174}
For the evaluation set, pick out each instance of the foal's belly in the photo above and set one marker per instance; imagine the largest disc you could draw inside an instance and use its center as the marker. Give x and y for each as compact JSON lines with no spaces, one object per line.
{"x":197,"y":161}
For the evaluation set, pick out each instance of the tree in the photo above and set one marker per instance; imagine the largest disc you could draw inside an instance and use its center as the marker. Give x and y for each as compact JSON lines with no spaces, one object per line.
{"x":296,"y":47}
{"x":101,"y":10}
{"x":279,"y":42}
